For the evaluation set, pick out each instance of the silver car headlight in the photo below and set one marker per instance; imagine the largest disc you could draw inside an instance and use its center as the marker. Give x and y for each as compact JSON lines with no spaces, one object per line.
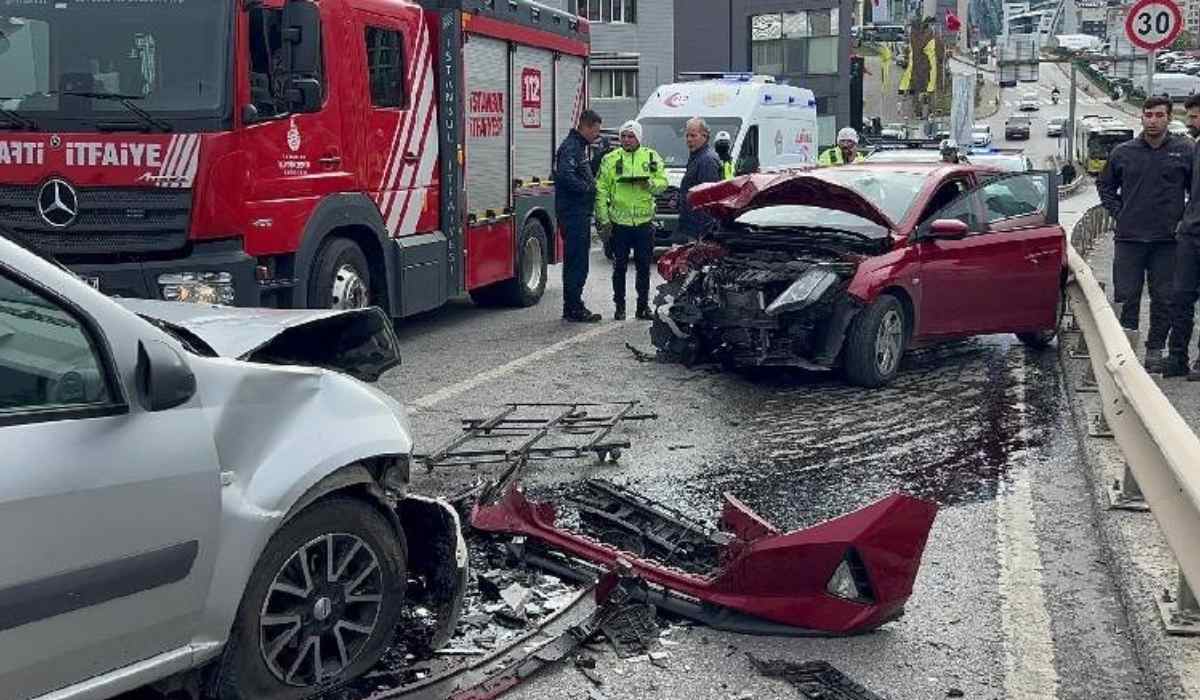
{"x":197,"y":287}
{"x":804,"y":292}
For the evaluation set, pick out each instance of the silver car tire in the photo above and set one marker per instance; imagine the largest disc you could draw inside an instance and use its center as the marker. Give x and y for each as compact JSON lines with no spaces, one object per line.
{"x":290,"y":617}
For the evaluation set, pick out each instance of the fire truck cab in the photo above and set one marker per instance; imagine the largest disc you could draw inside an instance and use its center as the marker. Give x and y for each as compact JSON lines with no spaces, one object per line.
{"x":290,"y":153}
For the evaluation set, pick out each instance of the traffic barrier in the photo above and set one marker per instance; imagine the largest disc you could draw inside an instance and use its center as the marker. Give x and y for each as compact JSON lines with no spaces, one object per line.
{"x":1160,"y":449}
{"x":1073,"y":186}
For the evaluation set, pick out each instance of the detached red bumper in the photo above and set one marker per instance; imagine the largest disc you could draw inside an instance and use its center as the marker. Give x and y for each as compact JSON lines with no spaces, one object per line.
{"x":785,"y":578}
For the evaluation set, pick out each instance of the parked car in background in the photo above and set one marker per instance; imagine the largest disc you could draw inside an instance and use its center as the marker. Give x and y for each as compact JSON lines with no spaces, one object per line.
{"x":1007,"y":159}
{"x":820,"y":270}
{"x":1177,"y":85}
{"x":194,"y":487}
{"x":1055,"y":126}
{"x":904,"y":155}
{"x":981,"y":135}
{"x":894,"y":131}
{"x":1017,"y":127}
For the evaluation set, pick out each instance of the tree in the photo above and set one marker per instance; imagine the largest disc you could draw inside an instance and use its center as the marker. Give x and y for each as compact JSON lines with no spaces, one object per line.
{"x":1185,"y":41}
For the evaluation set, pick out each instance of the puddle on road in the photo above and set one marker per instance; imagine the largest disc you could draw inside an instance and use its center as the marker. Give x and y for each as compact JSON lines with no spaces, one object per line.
{"x":955,"y":421}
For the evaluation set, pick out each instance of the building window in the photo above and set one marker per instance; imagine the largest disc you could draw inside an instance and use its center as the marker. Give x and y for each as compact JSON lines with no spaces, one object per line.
{"x":619,"y":11}
{"x":612,"y":84}
{"x":385,"y":67}
{"x":804,"y":43}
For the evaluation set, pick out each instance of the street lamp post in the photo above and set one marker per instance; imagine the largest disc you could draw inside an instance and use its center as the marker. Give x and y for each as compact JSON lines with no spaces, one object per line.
{"x":1071,"y":118}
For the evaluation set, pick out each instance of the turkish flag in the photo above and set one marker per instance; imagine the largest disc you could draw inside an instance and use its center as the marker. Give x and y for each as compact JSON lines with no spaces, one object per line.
{"x":953,"y":24}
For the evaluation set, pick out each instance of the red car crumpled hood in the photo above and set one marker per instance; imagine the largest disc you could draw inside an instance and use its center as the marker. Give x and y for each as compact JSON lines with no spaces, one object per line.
{"x":730,"y":199}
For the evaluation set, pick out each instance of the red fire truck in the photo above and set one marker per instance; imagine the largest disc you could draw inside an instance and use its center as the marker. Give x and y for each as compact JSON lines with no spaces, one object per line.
{"x":289,"y":153}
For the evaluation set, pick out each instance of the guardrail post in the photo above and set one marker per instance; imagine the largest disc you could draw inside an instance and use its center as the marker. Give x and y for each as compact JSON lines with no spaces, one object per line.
{"x":1098,"y":425}
{"x":1088,"y":385}
{"x":1080,"y":351}
{"x":1126,"y":494}
{"x":1181,"y":613}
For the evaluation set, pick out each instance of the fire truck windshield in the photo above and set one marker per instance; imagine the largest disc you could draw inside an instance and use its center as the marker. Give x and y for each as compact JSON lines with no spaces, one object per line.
{"x":60,"y":60}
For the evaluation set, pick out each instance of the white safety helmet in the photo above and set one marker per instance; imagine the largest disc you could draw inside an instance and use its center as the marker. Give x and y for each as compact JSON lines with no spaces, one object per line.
{"x":724,"y":136}
{"x":847,"y":134}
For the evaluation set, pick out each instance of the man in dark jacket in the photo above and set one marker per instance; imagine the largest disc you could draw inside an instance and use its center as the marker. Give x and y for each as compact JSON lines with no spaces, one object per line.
{"x":1187,"y":273}
{"x":574,"y":201}
{"x":1144,"y":186}
{"x":703,"y":166}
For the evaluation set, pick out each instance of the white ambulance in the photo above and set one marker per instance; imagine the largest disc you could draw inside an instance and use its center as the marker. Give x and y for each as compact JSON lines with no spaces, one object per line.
{"x":771,"y":125}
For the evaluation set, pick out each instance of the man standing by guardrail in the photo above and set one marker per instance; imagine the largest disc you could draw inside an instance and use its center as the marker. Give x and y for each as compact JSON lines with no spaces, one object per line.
{"x":1193,"y":115}
{"x":1144,"y":186}
{"x":1187,"y":269}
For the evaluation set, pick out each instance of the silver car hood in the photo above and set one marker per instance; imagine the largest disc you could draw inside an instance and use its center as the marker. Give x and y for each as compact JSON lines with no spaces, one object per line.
{"x":359,"y":342}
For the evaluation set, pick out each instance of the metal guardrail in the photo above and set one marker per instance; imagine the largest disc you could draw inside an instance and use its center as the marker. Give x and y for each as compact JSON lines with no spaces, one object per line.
{"x":1073,"y":186}
{"x":1162,"y":452}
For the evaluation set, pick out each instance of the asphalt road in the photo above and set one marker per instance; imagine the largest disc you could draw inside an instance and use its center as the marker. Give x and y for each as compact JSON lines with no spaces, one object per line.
{"x":1015,"y":598}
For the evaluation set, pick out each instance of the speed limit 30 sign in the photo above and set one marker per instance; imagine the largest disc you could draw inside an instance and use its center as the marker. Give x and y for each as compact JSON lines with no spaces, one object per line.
{"x":1153,"y":24}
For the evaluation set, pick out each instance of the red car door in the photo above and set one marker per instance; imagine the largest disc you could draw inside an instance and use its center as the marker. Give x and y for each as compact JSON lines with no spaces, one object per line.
{"x":1021,"y":207}
{"x":1003,"y":275}
{"x":958,"y":290}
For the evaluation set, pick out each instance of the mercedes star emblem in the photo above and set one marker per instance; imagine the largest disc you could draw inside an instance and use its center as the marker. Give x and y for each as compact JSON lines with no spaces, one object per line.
{"x":57,"y":203}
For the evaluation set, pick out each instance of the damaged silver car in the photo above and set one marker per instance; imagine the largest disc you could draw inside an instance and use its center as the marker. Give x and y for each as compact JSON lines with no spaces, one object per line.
{"x":201,"y":498}
{"x":850,"y":267}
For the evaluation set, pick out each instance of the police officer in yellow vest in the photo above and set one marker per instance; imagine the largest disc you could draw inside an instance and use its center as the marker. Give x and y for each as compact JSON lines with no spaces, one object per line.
{"x":724,"y":148}
{"x":629,"y":178}
{"x":846,"y":150}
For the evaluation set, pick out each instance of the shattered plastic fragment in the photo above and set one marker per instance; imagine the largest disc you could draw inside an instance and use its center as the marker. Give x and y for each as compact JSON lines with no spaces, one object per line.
{"x":758,"y":580}
{"x":816,"y":680}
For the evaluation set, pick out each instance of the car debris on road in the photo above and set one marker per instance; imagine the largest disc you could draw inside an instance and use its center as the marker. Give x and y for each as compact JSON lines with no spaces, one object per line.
{"x":845,"y":576}
{"x":816,"y":680}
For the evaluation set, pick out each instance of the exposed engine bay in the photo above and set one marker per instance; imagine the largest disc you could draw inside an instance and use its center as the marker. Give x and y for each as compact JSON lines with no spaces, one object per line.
{"x":758,"y":297}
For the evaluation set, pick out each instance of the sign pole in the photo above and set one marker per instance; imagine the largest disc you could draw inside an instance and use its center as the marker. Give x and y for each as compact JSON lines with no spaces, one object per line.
{"x":1070,"y":155}
{"x":1152,"y":59}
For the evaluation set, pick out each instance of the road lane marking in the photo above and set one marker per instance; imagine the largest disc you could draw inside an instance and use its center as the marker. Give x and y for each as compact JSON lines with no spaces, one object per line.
{"x":434,"y":398}
{"x":1029,"y":665}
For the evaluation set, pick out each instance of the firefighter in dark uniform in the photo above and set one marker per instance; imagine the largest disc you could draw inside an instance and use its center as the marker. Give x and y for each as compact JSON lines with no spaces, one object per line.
{"x":574,"y":202}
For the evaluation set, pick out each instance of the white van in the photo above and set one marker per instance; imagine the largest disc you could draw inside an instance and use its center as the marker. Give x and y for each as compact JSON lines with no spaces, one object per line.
{"x":772,"y":125}
{"x":1177,"y":86}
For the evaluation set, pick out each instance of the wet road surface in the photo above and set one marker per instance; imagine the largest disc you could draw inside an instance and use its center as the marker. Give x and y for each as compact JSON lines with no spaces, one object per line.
{"x":1013,"y":599}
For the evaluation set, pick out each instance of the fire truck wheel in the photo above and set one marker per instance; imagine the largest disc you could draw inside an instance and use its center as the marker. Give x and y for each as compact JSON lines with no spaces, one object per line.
{"x":341,"y":278}
{"x":527,"y":287}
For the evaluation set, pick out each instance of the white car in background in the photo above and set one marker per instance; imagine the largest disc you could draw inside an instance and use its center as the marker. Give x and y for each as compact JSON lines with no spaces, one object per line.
{"x":1029,"y":102}
{"x":981,"y":135}
{"x":895,"y":132}
{"x":1055,"y":126}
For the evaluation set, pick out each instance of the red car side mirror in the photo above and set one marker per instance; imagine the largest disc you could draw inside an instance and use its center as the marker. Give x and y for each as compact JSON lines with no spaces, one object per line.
{"x":948,"y":228}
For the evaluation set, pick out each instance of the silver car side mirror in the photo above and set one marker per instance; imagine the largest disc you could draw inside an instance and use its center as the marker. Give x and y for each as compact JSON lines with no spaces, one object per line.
{"x":164,"y":380}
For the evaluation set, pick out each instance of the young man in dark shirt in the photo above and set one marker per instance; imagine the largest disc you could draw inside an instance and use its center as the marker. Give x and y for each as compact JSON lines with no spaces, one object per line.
{"x":1144,"y":186}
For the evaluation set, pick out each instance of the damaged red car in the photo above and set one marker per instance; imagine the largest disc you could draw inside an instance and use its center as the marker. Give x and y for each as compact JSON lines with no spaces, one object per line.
{"x":850,"y":267}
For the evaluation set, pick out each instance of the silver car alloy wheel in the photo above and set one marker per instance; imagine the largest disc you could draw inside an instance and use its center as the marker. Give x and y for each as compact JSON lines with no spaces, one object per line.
{"x":531,"y":264}
{"x":888,"y":341}
{"x":321,"y":609}
{"x":349,"y":291}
